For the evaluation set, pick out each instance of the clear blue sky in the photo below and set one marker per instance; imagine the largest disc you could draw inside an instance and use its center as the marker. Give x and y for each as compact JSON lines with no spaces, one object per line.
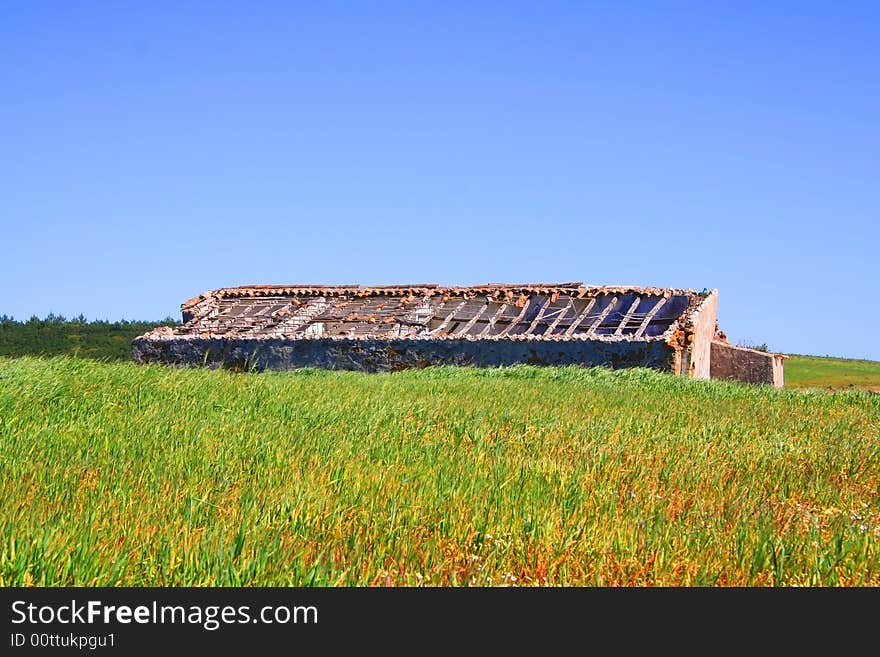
{"x":154,"y":150}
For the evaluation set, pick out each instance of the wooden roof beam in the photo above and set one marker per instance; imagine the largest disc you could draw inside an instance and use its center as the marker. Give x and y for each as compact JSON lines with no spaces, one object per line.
{"x":580,"y":318}
{"x":647,"y":319}
{"x":494,"y":319}
{"x":473,"y":320}
{"x":562,"y":313}
{"x":515,"y":322}
{"x":627,"y":316}
{"x":605,"y":312}
{"x":448,"y":319}
{"x":541,"y":311}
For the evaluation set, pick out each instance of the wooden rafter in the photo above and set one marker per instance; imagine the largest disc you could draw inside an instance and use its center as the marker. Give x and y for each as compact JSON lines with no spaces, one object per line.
{"x":473,"y":320}
{"x":494,"y":319}
{"x":580,"y":318}
{"x":446,"y":320}
{"x":562,"y":313}
{"x":517,"y":319}
{"x":627,"y":316}
{"x":605,"y":312}
{"x":651,"y":314}
{"x":539,"y":316}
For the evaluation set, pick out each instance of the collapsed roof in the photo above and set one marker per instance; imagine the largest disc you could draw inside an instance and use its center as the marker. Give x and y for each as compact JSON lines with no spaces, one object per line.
{"x":536,"y":311}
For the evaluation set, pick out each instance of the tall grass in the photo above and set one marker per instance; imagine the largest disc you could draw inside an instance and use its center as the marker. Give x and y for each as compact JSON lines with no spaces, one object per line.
{"x":114,"y":474}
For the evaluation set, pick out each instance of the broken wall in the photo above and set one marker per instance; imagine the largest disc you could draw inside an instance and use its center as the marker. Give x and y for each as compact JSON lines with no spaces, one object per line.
{"x":696,"y":356}
{"x":746,"y":365}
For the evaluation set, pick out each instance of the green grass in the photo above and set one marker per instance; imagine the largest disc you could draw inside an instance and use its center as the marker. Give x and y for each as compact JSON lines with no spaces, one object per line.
{"x":114,"y":474}
{"x":834,"y":373}
{"x":111,"y":341}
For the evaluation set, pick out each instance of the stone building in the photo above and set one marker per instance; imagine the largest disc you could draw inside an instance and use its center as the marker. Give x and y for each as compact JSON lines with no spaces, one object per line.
{"x":386,"y":328}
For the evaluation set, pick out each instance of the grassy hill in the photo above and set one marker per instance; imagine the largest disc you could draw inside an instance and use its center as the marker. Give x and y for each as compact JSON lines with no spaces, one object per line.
{"x":832,"y":373}
{"x":117,"y":474}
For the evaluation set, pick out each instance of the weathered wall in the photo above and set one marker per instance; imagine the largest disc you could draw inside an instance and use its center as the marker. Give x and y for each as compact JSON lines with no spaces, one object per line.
{"x":389,"y":355}
{"x":698,"y":356}
{"x":746,"y":365}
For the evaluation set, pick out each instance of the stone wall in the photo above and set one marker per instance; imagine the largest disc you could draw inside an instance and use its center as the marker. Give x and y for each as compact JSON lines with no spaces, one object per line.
{"x":371,"y":355}
{"x":696,"y":358}
{"x":746,"y":365}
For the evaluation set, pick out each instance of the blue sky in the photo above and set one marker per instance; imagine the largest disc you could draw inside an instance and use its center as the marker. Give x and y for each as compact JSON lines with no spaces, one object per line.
{"x":152,"y":151}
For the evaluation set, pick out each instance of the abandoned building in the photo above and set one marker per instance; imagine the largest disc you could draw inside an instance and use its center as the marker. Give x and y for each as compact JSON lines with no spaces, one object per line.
{"x":401,"y":326}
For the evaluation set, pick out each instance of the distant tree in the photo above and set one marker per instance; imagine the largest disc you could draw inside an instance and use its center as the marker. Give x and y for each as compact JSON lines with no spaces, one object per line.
{"x":55,"y":335}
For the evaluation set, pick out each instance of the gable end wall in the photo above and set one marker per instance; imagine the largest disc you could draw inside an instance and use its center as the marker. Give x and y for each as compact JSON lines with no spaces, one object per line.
{"x":699,"y":350}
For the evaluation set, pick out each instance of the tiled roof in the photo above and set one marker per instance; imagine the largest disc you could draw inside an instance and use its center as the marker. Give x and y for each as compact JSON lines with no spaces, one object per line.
{"x":532,"y":311}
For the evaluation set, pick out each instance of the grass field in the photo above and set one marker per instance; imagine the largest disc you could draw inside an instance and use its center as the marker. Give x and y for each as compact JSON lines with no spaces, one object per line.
{"x":111,"y":341}
{"x":833,"y":373}
{"x":114,"y":474}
